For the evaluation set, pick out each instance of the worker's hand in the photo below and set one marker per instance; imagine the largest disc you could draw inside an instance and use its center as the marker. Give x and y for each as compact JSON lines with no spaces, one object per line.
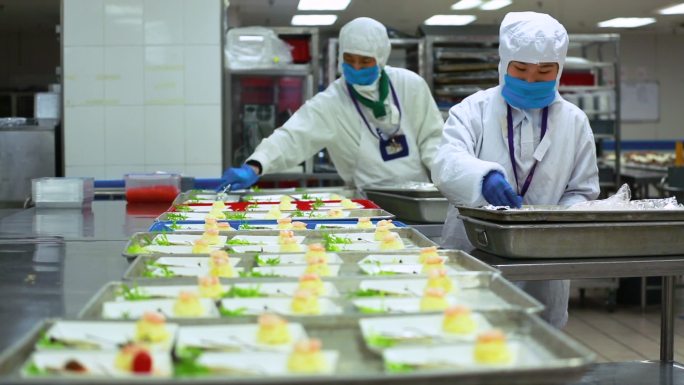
{"x":239,"y":177}
{"x":498,"y":192}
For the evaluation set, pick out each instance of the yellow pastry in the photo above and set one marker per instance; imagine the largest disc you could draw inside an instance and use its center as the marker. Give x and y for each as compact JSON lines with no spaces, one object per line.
{"x":316,"y":251}
{"x":284,"y":236}
{"x":218,"y":205}
{"x":386,"y":222}
{"x":316,"y":265}
{"x":211,"y":236}
{"x":391,"y":241}
{"x":348,"y":204}
{"x":219,"y":264}
{"x":134,"y":358}
{"x":210,"y":223}
{"x":364,"y":223}
{"x":381,"y":232}
{"x":432,"y":263}
{"x":433,"y":300}
{"x":334,"y":213}
{"x":458,"y":320}
{"x":438,"y":279}
{"x":427,"y":252}
{"x":273,"y":330}
{"x":274,"y":213}
{"x":225,"y":226}
{"x":286,"y":206}
{"x":285,"y":224}
{"x":491,"y":348}
{"x":285,"y":199}
{"x":290,"y":245}
{"x":305,"y":302}
{"x":151,"y":328}
{"x":307,"y":357}
{"x":298,"y":226}
{"x":218,"y":214}
{"x":210,"y":287}
{"x":312,"y":282}
{"x":188,"y":305}
{"x":201,"y":246}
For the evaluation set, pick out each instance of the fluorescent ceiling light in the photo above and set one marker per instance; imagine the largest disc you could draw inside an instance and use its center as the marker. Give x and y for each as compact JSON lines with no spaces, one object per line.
{"x":450,"y":20}
{"x":493,"y":5}
{"x":673,"y":10}
{"x":626,"y":22}
{"x":466,"y":4}
{"x":322,"y":5}
{"x":313,"y":19}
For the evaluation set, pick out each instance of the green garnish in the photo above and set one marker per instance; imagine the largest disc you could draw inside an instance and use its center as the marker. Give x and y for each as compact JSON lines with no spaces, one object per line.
{"x":137,"y":249}
{"x":182,"y":208}
{"x":132,"y":293}
{"x":234,"y":241}
{"x":176,"y":217}
{"x":270,"y":261}
{"x":252,"y":206}
{"x":33,"y":370}
{"x":174,"y":225}
{"x":397,"y":367}
{"x":256,"y":274}
{"x":186,"y":365}
{"x":155,"y":270}
{"x":371,"y":310}
{"x":236,"y":216}
{"x":380,"y":341}
{"x":387,"y":273}
{"x":367,"y":293}
{"x":256,"y":188}
{"x":126,"y":315}
{"x":318,"y":203}
{"x":306,"y":197}
{"x":331,"y":242}
{"x":162,"y":240}
{"x":248,"y":198}
{"x":246,"y":226}
{"x":232,"y":312}
{"x":239,"y":292}
{"x":298,"y":213}
{"x":48,"y":342}
{"x":332,"y":247}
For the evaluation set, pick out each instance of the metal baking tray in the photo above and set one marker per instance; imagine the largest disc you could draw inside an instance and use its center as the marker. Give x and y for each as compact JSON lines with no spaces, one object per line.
{"x":238,"y":194}
{"x":458,"y":260}
{"x":576,"y":240}
{"x":566,"y":359}
{"x":415,"y":190}
{"x":430,"y":210}
{"x":510,"y":295}
{"x":353,"y":214}
{"x":312,"y":236}
{"x":558,"y":214}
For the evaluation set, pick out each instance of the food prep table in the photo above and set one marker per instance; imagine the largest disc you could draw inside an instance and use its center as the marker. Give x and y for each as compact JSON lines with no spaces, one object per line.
{"x":52,"y":268}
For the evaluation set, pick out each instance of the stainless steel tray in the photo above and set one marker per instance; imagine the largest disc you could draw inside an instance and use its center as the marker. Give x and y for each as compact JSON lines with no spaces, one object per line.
{"x":576,"y":240}
{"x":558,"y":214}
{"x":312,"y":236}
{"x":420,"y":190}
{"x":566,"y":359}
{"x":458,"y":260}
{"x":340,"y":190}
{"x":416,"y":209}
{"x":353,"y":214}
{"x":509,"y":294}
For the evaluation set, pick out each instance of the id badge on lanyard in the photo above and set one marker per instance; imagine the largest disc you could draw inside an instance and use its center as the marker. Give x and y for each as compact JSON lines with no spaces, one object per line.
{"x":395,"y":146}
{"x":511,"y":149}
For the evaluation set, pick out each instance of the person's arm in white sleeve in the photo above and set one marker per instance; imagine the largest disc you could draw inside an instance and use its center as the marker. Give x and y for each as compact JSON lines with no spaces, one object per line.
{"x":430,"y":123}
{"x":309,"y":130}
{"x":456,"y":170}
{"x":584,"y":182}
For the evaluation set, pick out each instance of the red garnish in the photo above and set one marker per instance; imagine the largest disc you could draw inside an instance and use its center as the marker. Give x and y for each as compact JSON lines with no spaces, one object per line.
{"x":142,"y":362}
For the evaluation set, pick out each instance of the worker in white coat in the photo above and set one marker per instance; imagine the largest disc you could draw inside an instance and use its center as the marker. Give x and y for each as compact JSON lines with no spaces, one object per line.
{"x":380,"y":124}
{"x":520,"y":142}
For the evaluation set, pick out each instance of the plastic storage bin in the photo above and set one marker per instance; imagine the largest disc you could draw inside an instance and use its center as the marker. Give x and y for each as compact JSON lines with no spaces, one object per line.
{"x":147,"y":188}
{"x":62,"y":192}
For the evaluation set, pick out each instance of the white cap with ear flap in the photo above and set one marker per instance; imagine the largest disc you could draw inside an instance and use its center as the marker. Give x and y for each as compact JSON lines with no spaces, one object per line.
{"x":367,"y":37}
{"x":531,"y":37}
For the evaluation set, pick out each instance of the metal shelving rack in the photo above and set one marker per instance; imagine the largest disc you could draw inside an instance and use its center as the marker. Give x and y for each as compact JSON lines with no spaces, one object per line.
{"x":599,"y":101}
{"x":246,"y":122}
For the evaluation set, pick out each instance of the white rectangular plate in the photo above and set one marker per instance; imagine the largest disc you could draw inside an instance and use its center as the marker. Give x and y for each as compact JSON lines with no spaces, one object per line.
{"x":292,"y":270}
{"x":260,"y":363}
{"x":233,"y":338}
{"x":98,"y":363}
{"x":102,"y":335}
{"x":135,"y":309}
{"x":275,"y":305}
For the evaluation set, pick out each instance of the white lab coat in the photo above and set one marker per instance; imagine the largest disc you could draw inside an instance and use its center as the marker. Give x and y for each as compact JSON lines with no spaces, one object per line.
{"x":475,"y":142}
{"x":330,"y":120}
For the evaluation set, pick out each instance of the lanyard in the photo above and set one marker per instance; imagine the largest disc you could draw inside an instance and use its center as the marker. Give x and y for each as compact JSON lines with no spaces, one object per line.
{"x":379,"y":135}
{"x":511,"y":148}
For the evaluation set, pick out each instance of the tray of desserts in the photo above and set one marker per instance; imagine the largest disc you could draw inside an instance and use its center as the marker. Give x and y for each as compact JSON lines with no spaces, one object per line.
{"x":267,"y":195}
{"x":576,"y":240}
{"x":275,"y":214}
{"x":280,"y":224}
{"x":224,"y":265}
{"x":285,"y":204}
{"x":554,"y":213}
{"x":211,"y":297}
{"x":456,"y":345}
{"x":385,"y":238}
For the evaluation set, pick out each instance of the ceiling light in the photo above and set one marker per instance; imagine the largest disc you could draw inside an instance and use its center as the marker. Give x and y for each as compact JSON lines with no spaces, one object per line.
{"x":313,"y":19}
{"x":673,"y":10}
{"x":493,"y":5}
{"x":626,"y":22}
{"x":466,"y":4}
{"x":322,"y":5}
{"x":450,"y":20}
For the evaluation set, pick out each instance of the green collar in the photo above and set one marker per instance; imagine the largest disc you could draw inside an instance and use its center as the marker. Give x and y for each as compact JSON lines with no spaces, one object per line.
{"x":377,"y":106}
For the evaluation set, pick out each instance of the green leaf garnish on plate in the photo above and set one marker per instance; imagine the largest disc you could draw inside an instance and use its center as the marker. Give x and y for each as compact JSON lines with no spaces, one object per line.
{"x":182,"y":208}
{"x":176,"y":216}
{"x":234,"y":241}
{"x":132,"y":293}
{"x":266,"y":262}
{"x":32,"y":369}
{"x":236,"y":216}
{"x":186,"y":364}
{"x":247,"y":292}
{"x":47,"y":342}
{"x":156,"y":270}
{"x":256,"y":274}
{"x":366,"y":293}
{"x":162,"y":240}
{"x":398,"y":367}
{"x":232,"y":312}
{"x":380,"y":341}
{"x":371,"y":310}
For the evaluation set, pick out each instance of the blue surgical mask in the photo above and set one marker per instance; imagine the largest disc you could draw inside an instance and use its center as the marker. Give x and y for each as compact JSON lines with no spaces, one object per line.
{"x":362,"y":77}
{"x":524,"y":95}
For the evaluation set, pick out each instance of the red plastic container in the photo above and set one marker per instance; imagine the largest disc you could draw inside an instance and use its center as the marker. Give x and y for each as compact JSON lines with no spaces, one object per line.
{"x":301,"y":53}
{"x":577,"y":79}
{"x":147,"y":188}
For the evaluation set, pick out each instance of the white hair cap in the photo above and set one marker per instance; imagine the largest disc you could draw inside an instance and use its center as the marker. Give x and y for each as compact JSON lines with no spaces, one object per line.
{"x":367,"y":37}
{"x":531,"y":37}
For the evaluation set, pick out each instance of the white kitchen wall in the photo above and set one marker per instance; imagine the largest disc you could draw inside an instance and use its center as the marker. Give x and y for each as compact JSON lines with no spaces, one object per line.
{"x":142,"y":87}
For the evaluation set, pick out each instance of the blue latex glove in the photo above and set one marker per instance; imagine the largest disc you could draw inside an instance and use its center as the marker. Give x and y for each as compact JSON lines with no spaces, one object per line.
{"x":239,"y":177}
{"x":498,"y":191}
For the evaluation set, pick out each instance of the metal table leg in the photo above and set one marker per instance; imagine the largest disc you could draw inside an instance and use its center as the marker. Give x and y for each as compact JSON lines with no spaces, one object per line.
{"x":667,"y":321}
